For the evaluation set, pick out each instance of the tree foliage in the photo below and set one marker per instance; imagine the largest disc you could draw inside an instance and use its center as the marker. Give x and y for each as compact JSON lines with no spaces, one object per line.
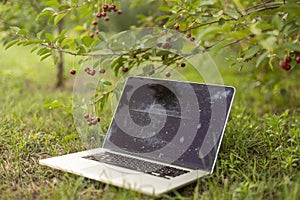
{"x":260,"y":32}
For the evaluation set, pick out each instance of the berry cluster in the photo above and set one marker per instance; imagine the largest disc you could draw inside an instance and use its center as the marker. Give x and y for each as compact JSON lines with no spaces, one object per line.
{"x":104,"y":14}
{"x":188,"y":35}
{"x":285,"y":63}
{"x":89,"y":71}
{"x":91,"y":121}
{"x":192,"y":39}
{"x":166,"y":45}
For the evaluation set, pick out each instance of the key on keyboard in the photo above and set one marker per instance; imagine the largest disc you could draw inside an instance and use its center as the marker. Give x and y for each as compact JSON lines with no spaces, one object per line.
{"x":137,"y":164}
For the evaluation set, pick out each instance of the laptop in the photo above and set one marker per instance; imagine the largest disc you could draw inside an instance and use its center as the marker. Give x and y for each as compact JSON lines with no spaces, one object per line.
{"x":164,"y":134}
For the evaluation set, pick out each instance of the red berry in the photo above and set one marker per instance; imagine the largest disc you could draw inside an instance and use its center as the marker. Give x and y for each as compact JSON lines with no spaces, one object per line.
{"x":89,"y":123}
{"x":282,"y":64}
{"x":94,"y":121}
{"x":92,"y":35}
{"x":92,"y":72}
{"x":86,"y":116}
{"x":288,"y":59}
{"x":298,"y":59}
{"x":168,"y":74}
{"x":87,"y":69}
{"x":159,"y":45}
{"x":119,"y":12}
{"x":106,"y":19}
{"x":105,"y":7}
{"x":176,"y":26}
{"x":113,"y":6}
{"x":73,"y":71}
{"x":188,"y":35}
{"x":182,"y":65}
{"x":102,"y":70}
{"x":125,"y":69}
{"x":151,"y":72}
{"x":97,"y":32}
{"x":287,"y":67}
{"x":192,"y":39}
{"x":103,"y":14}
{"x":167,"y":46}
{"x":95,"y":23}
{"x":98,"y":15}
{"x":297,"y":53}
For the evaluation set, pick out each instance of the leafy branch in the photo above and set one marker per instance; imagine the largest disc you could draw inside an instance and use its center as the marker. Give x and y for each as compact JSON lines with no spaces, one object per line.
{"x":245,"y":12}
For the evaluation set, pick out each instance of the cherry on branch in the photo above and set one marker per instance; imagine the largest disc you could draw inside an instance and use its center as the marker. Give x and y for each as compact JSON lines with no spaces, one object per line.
{"x":125,"y":69}
{"x":95,"y":23}
{"x":101,"y":70}
{"x":73,"y":71}
{"x":99,"y":15}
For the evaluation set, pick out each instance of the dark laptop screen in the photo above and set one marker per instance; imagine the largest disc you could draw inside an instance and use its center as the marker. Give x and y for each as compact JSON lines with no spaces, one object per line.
{"x":170,"y":121}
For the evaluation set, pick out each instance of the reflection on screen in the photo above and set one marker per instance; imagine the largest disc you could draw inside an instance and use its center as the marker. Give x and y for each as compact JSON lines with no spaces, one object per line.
{"x":170,"y":121}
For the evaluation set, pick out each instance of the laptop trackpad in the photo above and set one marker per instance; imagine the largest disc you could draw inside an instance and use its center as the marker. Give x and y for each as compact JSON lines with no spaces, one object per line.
{"x":105,"y":171}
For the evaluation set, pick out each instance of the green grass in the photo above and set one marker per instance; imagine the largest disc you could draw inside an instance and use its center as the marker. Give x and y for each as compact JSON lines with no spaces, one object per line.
{"x":259,"y":157}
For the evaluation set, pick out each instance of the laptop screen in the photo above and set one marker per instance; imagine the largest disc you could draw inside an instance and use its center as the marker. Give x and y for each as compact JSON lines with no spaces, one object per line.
{"x":176,"y":122}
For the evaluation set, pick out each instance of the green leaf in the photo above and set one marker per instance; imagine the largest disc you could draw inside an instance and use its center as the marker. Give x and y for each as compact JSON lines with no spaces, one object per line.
{"x":22,"y":32}
{"x":43,"y":51}
{"x":11,"y":43}
{"x":53,"y":104}
{"x":148,"y":68}
{"x":33,"y":49}
{"x":70,"y":137}
{"x":209,"y":31}
{"x":45,"y":12}
{"x":49,"y":37}
{"x":40,"y":34}
{"x":52,"y":3}
{"x":102,"y":36}
{"x":81,"y":50}
{"x":90,"y":86}
{"x":219,"y":46}
{"x":162,"y":17}
{"x":269,"y":43}
{"x":261,"y":58}
{"x":106,"y":82}
{"x":29,"y":42}
{"x":86,"y":40}
{"x":164,"y":8}
{"x":277,"y":22}
{"x":78,"y":28}
{"x":48,"y":9}
{"x":251,"y":52}
{"x":45,"y":56}
{"x":206,"y":3}
{"x":15,"y":29}
{"x":59,"y":17}
{"x":293,"y":46}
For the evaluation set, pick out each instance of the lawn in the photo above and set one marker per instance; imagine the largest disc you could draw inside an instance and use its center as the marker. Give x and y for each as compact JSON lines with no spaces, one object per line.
{"x":259,"y":157}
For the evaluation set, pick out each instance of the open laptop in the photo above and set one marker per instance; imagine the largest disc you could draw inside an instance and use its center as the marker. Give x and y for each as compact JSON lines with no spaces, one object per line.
{"x":164,"y":134}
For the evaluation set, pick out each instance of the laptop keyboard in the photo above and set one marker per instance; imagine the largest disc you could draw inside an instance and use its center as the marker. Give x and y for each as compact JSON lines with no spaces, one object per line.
{"x":137,"y":164}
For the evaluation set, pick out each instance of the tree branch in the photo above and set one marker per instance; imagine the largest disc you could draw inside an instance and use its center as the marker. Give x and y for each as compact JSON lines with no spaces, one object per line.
{"x":257,"y":8}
